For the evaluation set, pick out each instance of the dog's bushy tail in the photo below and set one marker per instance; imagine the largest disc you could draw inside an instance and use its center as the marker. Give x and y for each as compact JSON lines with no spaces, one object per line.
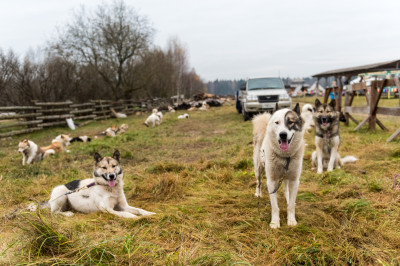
{"x":48,"y":153}
{"x":349,"y":159}
{"x":260,"y":123}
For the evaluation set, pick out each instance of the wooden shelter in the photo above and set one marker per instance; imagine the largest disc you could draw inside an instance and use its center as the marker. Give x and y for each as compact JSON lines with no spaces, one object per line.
{"x":375,"y":92}
{"x":350,"y":72}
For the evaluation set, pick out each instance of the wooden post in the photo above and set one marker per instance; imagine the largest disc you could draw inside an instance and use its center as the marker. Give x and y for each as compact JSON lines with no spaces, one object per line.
{"x":339,"y":99}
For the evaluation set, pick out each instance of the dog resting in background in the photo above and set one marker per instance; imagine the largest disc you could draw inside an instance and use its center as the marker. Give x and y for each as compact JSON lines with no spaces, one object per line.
{"x":59,"y":144}
{"x":327,"y":139}
{"x":278,"y":152}
{"x":104,"y":192}
{"x":114,"y":130}
{"x":170,"y":109}
{"x":183,"y":116}
{"x":307,"y":113}
{"x":81,"y":139}
{"x":31,"y":152}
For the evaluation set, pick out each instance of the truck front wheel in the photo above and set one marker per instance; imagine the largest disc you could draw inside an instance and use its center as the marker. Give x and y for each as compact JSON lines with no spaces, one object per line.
{"x":246,"y":115}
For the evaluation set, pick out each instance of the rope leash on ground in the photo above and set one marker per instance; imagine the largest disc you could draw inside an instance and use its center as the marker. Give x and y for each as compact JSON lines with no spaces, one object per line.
{"x":75,"y":190}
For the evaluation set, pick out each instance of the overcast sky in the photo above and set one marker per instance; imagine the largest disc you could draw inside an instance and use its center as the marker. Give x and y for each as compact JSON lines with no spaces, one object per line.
{"x":232,"y":39}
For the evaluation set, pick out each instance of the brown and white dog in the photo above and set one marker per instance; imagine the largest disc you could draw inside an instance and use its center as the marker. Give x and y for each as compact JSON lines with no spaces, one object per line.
{"x":31,"y":152}
{"x":59,"y":144}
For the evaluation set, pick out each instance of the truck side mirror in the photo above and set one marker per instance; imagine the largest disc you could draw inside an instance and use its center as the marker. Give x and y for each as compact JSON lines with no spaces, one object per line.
{"x":242,"y":88}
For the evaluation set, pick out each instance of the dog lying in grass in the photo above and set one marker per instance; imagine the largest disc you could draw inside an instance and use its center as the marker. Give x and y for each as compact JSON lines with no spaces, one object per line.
{"x":31,"y":152}
{"x":83,"y":139}
{"x":104,"y":192}
{"x":114,"y":130}
{"x":183,"y":116}
{"x":59,"y":144}
{"x":278,"y":152}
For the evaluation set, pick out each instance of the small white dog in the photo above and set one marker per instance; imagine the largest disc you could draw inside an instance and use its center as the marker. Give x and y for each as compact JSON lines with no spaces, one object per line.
{"x":152,"y":120}
{"x":160,"y":115}
{"x":104,"y":192}
{"x":31,"y":152}
{"x":183,"y":116}
{"x":307,"y":113}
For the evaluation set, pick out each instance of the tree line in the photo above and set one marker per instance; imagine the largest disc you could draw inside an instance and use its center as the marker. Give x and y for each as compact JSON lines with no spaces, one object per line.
{"x":104,"y":54}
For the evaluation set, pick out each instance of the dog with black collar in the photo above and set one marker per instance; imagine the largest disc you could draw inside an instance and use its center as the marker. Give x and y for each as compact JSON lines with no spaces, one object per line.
{"x":278,"y":153}
{"x":104,"y":192}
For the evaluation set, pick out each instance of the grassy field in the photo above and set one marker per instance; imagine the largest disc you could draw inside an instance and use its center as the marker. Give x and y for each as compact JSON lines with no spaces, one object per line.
{"x":197,"y":175}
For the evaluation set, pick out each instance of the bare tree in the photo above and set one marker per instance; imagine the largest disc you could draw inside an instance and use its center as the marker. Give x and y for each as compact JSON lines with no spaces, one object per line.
{"x":109,"y":40}
{"x":178,"y":57}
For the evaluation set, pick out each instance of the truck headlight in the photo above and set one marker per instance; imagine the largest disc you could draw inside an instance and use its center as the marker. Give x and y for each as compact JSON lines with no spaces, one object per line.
{"x":252,"y":98}
{"x":284,"y":97}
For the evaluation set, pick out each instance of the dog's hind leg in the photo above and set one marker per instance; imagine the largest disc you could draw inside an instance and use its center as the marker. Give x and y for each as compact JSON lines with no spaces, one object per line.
{"x":58,"y":201}
{"x":258,"y":170}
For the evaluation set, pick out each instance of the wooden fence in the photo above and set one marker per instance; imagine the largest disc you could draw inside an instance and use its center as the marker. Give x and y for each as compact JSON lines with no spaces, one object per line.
{"x":16,"y":120}
{"x":371,"y":110}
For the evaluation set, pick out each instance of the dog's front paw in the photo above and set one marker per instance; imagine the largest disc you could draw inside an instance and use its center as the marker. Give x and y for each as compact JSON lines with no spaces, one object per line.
{"x":145,"y":213}
{"x":128,"y":215}
{"x":32,"y":207}
{"x":291,"y":222}
{"x":319,"y":171}
{"x":258,"y":194}
{"x":274,"y":225}
{"x":330,"y":169}
{"x":67,"y":214}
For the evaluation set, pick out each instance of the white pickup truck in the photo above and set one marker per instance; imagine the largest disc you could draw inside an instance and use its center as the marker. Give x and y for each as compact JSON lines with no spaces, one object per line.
{"x":261,"y":95}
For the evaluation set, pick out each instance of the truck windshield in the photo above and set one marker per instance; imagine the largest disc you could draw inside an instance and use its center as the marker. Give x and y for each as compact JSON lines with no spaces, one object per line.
{"x":264,"y":83}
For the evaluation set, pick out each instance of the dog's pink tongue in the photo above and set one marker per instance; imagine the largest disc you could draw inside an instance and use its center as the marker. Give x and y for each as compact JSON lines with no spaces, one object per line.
{"x":324,"y":124}
{"x":284,"y":145}
{"x":111,"y":183}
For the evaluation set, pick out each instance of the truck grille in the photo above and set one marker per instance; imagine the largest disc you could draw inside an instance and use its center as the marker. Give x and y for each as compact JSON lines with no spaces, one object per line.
{"x":268,"y":98}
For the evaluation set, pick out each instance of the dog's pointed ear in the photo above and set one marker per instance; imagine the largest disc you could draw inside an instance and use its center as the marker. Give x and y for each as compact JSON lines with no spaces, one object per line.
{"x":333,"y":103}
{"x":317,"y":103}
{"x":297,"y":109}
{"x":276,"y":107}
{"x":116,"y":155}
{"x":97,"y":157}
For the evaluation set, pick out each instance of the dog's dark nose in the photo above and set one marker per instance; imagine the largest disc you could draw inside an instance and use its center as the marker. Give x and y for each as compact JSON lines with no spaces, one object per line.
{"x":111,"y":176}
{"x":283,"y":135}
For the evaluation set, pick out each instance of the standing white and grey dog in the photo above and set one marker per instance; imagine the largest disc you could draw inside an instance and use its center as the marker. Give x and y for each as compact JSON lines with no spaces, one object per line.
{"x":327,"y":139}
{"x":31,"y":152}
{"x":278,"y":151}
{"x":104,"y":192}
{"x":307,"y":113}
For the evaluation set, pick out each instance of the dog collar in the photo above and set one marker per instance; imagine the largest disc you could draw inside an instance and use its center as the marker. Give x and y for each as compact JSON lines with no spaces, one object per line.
{"x":327,"y":135}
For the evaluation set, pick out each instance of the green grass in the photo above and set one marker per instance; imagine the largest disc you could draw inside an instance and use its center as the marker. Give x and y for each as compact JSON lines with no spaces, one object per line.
{"x":197,"y":175}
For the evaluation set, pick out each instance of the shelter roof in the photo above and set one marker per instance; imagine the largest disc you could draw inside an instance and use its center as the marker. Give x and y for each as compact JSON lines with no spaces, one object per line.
{"x":352,"y":71}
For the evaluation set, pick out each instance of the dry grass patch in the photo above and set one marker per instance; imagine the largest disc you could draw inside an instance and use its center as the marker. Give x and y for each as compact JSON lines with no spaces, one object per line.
{"x":197,"y":175}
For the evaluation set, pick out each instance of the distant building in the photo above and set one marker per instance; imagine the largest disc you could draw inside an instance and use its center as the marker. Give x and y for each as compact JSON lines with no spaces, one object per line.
{"x":297,"y":87}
